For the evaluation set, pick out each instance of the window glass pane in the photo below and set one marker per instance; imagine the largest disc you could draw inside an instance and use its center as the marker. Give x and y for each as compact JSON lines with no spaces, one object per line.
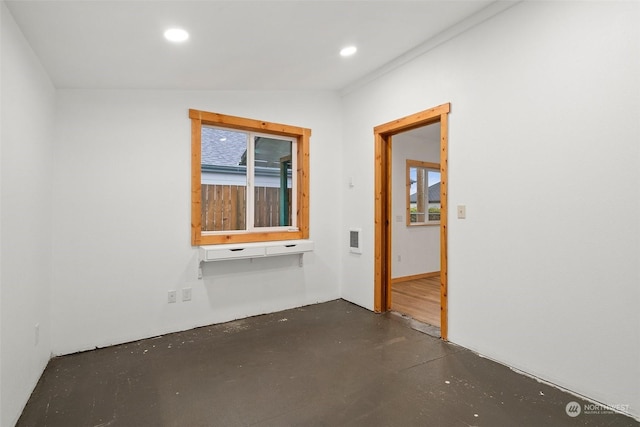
{"x":273,"y":182}
{"x":419,"y":194}
{"x":423,"y":192}
{"x":224,"y":179}
{"x":434,"y":195}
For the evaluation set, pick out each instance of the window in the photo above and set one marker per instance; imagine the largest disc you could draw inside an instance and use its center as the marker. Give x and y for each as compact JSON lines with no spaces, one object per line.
{"x":423,"y":193}
{"x":249,"y":180}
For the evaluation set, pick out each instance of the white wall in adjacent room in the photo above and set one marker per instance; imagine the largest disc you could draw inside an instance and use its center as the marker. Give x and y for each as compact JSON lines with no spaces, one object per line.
{"x":121,"y":216}
{"x":416,"y":249}
{"x":544,"y":131}
{"x":27,"y":113}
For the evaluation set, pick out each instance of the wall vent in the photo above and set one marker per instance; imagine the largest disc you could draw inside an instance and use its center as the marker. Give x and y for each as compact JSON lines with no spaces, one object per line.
{"x":354,"y":241}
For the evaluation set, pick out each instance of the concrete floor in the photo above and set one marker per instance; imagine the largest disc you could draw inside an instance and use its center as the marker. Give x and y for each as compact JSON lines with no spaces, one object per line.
{"x":331,"y":364}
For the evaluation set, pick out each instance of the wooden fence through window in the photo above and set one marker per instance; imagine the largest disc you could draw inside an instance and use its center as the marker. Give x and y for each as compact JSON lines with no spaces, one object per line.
{"x":224,"y":207}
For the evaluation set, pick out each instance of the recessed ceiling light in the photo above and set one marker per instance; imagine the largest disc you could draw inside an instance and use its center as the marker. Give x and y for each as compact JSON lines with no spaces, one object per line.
{"x":348,"y":51}
{"x":176,"y":35}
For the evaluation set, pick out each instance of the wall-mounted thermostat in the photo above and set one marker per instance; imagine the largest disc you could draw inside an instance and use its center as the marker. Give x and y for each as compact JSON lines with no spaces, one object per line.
{"x":354,"y":240}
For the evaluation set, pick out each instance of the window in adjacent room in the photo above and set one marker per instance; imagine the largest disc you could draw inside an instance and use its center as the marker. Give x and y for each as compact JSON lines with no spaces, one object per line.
{"x":423,"y":193}
{"x":249,"y":180}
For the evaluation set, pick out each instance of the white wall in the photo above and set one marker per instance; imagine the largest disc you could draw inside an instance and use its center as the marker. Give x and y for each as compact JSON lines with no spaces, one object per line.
{"x":544,"y":131}
{"x":418,"y":247}
{"x":544,"y":113}
{"x":27,"y":110}
{"x":122,"y":216}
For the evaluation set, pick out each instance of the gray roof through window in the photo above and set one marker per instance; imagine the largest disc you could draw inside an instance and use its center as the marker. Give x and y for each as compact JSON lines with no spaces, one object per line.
{"x":434,"y":194}
{"x":221,"y":147}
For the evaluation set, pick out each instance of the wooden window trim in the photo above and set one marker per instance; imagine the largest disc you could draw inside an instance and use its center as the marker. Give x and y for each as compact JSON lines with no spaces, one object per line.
{"x":302,"y":136}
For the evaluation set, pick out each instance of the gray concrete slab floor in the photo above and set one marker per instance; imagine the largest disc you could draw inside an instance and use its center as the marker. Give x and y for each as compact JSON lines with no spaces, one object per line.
{"x":330,"y":364}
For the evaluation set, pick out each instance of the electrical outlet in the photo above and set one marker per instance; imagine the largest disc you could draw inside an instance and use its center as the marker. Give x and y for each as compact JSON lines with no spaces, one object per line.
{"x":172,"y":296}
{"x":186,"y":294}
{"x":37,"y":333}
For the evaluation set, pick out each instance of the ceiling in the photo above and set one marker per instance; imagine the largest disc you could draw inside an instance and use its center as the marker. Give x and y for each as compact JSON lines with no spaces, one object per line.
{"x":233,"y":45}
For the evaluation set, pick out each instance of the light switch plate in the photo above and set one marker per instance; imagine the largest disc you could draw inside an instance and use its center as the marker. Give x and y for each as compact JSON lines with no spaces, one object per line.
{"x":462,"y":211}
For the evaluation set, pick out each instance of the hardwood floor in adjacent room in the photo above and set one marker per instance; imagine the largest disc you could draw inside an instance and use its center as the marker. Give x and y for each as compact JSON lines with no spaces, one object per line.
{"x":418,"y":298}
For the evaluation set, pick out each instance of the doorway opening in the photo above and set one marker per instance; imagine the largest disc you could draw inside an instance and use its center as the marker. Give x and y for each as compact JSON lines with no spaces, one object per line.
{"x":384,"y":209}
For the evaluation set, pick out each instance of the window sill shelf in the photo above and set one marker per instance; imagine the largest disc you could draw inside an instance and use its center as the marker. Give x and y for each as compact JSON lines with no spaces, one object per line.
{"x":254,"y":250}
